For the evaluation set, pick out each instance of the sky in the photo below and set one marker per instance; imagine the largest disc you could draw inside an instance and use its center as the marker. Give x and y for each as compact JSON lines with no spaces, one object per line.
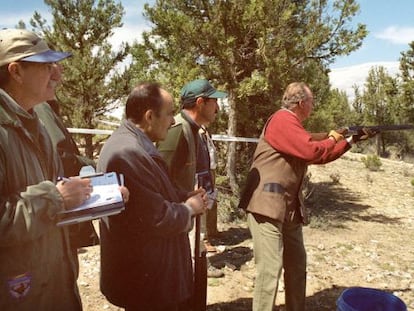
{"x":390,"y":24}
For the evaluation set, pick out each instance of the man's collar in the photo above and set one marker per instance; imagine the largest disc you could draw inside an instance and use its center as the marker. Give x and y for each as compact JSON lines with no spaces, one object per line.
{"x":189,"y":119}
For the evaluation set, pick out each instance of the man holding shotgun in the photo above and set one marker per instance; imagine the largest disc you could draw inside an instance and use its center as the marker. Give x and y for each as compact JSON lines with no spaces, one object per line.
{"x":273,"y":195}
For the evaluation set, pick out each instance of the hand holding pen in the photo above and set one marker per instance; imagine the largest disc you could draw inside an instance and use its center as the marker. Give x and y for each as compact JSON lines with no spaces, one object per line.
{"x":74,"y":191}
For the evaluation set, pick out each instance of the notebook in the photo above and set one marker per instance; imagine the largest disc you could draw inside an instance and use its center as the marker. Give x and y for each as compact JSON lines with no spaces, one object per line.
{"x":106,"y":200}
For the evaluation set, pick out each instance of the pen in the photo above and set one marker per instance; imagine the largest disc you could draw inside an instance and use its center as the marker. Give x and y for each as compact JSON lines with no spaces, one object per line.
{"x":121,"y":179}
{"x":64,"y":179}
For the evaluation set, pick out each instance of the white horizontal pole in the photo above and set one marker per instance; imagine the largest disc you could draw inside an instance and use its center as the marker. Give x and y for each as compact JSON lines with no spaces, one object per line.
{"x":214,"y":137}
{"x":233,"y":138}
{"x":90,"y":131}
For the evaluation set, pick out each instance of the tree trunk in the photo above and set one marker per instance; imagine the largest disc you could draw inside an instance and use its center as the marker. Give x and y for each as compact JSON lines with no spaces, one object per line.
{"x":383,"y":147}
{"x":231,"y":152}
{"x":89,"y":146}
{"x":379,"y":144}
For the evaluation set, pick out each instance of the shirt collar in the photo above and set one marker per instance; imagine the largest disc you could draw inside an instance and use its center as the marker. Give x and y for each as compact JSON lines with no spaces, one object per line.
{"x":193,"y":124}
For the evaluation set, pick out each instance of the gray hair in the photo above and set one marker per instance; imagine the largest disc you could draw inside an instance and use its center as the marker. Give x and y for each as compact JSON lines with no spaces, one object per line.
{"x":295,"y":93}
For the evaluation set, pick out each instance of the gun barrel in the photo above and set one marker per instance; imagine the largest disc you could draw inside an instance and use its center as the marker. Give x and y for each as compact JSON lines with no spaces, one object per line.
{"x":352,"y":130}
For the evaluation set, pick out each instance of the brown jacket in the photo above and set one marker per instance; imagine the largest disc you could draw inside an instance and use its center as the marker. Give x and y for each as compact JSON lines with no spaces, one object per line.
{"x":274,"y":184}
{"x":275,"y":181}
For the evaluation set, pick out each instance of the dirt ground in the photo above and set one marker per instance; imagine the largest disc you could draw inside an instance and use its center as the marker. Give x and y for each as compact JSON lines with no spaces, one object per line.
{"x":361,"y":234}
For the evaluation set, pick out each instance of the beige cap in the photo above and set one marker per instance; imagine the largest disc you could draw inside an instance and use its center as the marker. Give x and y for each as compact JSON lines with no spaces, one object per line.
{"x":24,"y":45}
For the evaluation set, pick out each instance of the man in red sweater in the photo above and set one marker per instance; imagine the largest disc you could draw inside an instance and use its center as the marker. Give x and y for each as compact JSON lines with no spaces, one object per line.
{"x":273,"y":196}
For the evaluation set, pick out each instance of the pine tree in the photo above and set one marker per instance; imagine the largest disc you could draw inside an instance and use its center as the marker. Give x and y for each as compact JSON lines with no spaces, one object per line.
{"x":380,"y":98}
{"x":333,"y":113}
{"x":92,"y":82}
{"x":252,"y":49}
{"x":407,"y":82}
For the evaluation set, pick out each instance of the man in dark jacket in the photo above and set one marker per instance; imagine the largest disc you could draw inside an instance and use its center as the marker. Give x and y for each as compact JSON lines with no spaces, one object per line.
{"x":38,"y":270}
{"x":145,"y":252}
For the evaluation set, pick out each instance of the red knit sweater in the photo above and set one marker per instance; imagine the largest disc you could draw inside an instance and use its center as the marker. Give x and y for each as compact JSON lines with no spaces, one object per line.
{"x":286,"y":134}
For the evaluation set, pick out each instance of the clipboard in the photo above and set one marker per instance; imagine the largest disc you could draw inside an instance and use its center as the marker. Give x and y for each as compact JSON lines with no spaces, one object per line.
{"x":106,"y":200}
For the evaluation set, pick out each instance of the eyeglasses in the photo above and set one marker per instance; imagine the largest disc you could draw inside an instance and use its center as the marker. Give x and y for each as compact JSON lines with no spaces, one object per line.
{"x":209,"y":98}
{"x":50,"y":66}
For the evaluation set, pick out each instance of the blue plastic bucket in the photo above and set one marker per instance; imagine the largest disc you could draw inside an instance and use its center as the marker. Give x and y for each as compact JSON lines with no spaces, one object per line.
{"x":368,"y":299}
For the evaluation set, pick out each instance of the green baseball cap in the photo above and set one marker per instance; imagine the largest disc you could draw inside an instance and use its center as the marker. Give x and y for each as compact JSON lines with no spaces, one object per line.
{"x":199,"y":88}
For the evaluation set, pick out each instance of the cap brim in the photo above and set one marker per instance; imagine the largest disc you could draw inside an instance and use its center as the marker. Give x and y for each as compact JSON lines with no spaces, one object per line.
{"x":218,"y":94}
{"x":47,"y":57}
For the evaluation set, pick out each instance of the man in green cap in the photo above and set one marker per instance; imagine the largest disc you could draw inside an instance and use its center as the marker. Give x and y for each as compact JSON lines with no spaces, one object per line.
{"x":188,"y":148}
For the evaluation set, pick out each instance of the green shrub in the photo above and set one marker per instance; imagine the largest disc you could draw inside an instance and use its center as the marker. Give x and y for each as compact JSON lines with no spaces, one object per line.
{"x":372,"y":162}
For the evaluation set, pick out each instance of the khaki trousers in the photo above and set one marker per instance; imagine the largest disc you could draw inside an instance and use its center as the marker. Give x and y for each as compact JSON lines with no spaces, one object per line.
{"x":278,"y":246}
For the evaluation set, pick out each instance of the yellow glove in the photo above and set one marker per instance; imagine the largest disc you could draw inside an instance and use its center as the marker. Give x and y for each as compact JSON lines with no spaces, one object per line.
{"x":343,"y":131}
{"x":335,"y":135}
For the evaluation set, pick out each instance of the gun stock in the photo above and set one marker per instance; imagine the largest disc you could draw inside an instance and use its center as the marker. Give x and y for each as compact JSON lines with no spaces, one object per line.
{"x":200,"y":271}
{"x":354,"y":130}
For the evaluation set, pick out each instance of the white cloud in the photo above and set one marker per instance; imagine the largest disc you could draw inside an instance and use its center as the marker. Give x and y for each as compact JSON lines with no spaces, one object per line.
{"x":134,"y":24}
{"x":397,"y":34}
{"x":346,"y":77}
{"x":127,"y":33}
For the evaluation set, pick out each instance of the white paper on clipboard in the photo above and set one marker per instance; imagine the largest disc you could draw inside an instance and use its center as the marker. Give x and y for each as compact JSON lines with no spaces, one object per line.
{"x":106,"y":199}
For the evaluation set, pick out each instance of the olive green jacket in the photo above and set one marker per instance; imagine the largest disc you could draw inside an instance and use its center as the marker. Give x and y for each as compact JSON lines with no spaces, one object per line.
{"x":82,"y":234}
{"x":62,"y":140}
{"x":179,"y":151}
{"x":38,"y":270}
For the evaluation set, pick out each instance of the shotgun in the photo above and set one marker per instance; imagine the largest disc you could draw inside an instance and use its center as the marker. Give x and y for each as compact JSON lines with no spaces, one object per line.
{"x":200,"y":270}
{"x":354,"y":130}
